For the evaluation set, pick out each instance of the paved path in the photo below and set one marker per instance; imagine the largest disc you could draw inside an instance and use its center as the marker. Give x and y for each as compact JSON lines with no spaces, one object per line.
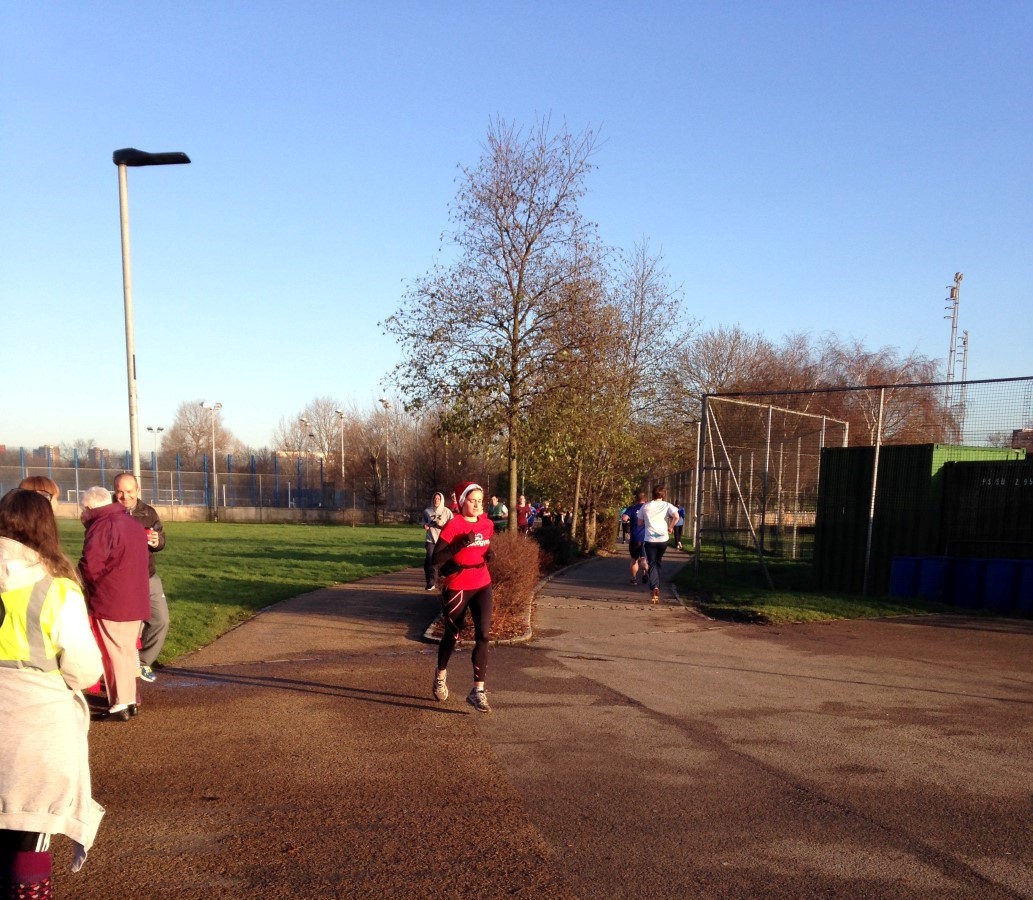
{"x":635,"y":751}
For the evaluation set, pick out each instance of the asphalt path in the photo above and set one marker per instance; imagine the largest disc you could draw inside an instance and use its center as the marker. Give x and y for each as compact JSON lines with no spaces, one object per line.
{"x":634,"y":751}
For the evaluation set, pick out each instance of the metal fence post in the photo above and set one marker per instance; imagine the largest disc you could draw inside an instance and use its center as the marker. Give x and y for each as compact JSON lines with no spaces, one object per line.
{"x":875,"y":484}
{"x":697,"y":500}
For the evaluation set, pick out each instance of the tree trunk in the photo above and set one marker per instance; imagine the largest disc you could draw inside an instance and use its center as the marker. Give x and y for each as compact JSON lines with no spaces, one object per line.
{"x":577,"y":500}
{"x":592,"y":529}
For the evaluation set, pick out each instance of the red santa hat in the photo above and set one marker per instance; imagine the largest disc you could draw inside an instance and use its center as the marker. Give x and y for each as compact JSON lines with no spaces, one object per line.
{"x":464,"y":488}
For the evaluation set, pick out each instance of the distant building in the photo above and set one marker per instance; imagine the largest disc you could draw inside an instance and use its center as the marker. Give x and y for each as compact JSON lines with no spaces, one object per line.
{"x":95,"y":456}
{"x":46,"y":455}
{"x":298,"y":454}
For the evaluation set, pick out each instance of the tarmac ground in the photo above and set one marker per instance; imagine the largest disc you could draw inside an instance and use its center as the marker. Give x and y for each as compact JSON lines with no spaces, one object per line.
{"x":634,"y":751}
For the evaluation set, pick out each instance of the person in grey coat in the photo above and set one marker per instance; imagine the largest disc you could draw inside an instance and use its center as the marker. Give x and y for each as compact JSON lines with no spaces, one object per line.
{"x":434,"y":518}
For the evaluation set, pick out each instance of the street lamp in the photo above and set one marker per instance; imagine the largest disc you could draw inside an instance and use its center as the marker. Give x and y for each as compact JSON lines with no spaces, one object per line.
{"x":214,"y":407}
{"x":384,"y":402}
{"x":123,"y":158}
{"x":340,"y":415}
{"x":301,"y":450}
{"x":154,"y":465}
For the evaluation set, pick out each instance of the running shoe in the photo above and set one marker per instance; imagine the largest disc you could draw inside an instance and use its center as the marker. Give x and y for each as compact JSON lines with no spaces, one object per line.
{"x":655,"y":596}
{"x":478,"y":699}
{"x":148,"y":674}
{"x":440,"y":688}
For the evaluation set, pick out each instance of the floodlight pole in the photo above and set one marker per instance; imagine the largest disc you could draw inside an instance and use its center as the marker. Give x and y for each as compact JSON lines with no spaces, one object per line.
{"x":340,"y":415}
{"x":123,"y":158}
{"x":214,"y":407}
{"x":384,"y":402}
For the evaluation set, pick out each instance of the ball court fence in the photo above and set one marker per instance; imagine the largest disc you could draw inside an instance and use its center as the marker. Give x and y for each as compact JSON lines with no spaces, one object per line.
{"x":841,"y":482}
{"x":294,"y":482}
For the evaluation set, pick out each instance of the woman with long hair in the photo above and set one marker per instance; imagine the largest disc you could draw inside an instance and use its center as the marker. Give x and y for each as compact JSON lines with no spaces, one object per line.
{"x":47,"y":656}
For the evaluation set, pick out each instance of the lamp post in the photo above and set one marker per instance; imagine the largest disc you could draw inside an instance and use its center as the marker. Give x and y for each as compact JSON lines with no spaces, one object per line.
{"x":301,"y":450}
{"x":214,"y":407}
{"x":340,"y":415}
{"x":384,"y":402}
{"x":123,"y":158}
{"x":154,"y":468}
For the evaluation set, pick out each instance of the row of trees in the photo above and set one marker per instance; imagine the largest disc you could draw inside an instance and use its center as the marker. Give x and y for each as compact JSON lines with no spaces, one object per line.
{"x":539,"y":359}
{"x":546,"y":348}
{"x":573,"y":362}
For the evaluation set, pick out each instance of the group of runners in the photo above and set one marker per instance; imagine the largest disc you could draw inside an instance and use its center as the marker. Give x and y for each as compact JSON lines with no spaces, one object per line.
{"x":648,"y":527}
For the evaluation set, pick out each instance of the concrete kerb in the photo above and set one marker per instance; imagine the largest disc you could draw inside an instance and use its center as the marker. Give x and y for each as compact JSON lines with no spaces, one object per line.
{"x":183,"y":656}
{"x":525,"y":635}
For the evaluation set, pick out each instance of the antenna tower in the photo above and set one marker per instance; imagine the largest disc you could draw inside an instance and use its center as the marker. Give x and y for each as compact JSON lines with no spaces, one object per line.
{"x":964,"y":383}
{"x":952,"y":305}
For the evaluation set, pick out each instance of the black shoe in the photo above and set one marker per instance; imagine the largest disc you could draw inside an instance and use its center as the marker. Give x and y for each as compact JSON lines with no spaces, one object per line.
{"x":134,"y":710}
{"x":122,"y":715}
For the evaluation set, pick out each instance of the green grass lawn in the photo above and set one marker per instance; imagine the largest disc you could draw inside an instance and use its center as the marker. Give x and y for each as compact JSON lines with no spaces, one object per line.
{"x":733,"y":587}
{"x":218,"y":575}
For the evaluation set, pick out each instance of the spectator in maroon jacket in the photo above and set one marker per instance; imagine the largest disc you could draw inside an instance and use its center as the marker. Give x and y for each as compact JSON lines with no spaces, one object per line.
{"x":114,"y":573}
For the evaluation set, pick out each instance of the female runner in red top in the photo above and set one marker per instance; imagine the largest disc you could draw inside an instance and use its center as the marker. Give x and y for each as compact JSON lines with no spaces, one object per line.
{"x":462,"y":553}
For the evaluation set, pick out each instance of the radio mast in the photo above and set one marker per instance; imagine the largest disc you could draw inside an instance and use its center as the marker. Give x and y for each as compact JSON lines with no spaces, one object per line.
{"x":952,"y":305}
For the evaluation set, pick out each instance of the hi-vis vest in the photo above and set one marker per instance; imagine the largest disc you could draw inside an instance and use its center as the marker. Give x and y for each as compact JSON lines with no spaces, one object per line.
{"x":27,"y":620}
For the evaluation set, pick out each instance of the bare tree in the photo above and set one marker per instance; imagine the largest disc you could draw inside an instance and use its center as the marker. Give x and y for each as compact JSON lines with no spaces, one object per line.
{"x":369,"y":456}
{"x":730,"y":360}
{"x":82,"y":446}
{"x":907,"y":415}
{"x":723,"y":359}
{"x":190,"y":434}
{"x":290,"y":435}
{"x":475,"y":328}
{"x":324,"y":425}
{"x":656,"y":330}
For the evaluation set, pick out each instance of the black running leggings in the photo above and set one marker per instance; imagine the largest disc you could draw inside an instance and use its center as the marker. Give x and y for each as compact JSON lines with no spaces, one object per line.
{"x":454,"y":606}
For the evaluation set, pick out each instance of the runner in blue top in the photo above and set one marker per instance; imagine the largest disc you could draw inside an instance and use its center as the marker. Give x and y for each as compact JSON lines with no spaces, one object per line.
{"x":636,"y":536}
{"x":678,"y":528}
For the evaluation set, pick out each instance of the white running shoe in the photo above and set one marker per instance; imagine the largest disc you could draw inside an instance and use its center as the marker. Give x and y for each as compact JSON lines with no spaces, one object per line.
{"x":440,"y":688}
{"x":478,"y":699}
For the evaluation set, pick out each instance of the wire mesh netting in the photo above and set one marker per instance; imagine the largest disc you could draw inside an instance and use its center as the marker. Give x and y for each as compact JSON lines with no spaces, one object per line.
{"x":845,"y":482}
{"x":295,"y":484}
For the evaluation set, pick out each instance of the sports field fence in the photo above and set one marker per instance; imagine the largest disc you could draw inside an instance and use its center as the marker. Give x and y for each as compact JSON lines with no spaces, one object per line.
{"x":844,"y":481}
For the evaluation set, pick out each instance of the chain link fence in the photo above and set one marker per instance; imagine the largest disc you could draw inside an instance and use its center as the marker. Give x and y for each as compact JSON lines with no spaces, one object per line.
{"x":848,"y":482}
{"x":297,"y":482}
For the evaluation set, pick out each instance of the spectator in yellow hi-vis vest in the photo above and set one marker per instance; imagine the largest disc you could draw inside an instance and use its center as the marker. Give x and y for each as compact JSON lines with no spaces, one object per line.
{"x":47,"y":656}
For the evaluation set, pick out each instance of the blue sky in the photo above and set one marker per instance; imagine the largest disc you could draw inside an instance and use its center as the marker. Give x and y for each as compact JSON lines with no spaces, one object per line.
{"x":802,"y":166}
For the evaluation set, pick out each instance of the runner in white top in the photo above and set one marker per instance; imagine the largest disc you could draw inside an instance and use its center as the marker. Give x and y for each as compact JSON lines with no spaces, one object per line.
{"x":659,"y":517}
